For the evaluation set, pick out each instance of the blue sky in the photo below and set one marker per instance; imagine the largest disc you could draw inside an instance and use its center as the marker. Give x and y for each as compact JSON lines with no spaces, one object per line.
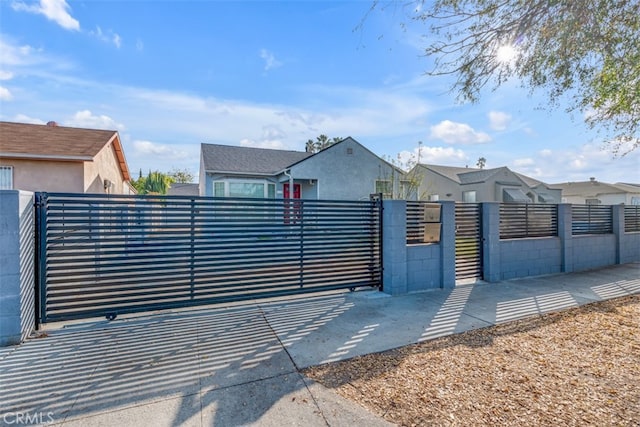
{"x":169,"y":75}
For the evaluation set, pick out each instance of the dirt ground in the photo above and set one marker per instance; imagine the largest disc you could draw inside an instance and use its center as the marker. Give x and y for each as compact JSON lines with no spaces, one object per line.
{"x":579,"y":367}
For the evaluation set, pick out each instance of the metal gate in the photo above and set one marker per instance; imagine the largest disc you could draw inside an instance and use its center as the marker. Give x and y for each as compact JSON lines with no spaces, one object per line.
{"x":102,"y":255}
{"x":468,"y":241}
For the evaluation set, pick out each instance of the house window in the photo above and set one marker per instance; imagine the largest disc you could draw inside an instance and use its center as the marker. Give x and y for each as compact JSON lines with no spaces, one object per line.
{"x":218,"y":189}
{"x":592,"y":201}
{"x":248,"y":189}
{"x":350,"y":151}
{"x":384,"y":187}
{"x":6,"y":177}
{"x":469,"y":196}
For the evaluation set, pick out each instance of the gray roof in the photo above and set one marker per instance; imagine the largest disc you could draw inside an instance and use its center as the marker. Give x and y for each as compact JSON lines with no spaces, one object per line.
{"x":531,"y":182}
{"x":463,"y":175}
{"x":474,"y":175}
{"x":180,"y":189}
{"x":478,"y":175}
{"x":248,"y":160}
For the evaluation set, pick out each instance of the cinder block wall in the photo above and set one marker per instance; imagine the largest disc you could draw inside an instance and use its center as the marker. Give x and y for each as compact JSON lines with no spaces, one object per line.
{"x":630,"y":248}
{"x":17,"y":311}
{"x":529,"y":257}
{"x":593,"y":251}
{"x":413,"y":268}
{"x":423,"y":267}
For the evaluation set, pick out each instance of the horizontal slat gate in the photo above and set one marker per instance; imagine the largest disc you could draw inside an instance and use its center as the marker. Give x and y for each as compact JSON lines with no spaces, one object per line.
{"x":468,"y":241}
{"x":105,"y":255}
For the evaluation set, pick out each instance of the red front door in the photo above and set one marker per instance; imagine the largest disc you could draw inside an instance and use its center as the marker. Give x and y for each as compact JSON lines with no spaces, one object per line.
{"x":291,"y":209}
{"x":296,"y":191}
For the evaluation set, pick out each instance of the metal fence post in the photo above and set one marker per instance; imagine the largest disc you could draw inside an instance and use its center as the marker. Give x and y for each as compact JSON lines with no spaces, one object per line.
{"x":301,"y":217}
{"x":40,"y":206}
{"x":192,"y":249}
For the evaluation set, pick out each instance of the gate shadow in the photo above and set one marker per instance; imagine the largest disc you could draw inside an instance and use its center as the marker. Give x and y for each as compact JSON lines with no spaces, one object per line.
{"x":219,"y":366}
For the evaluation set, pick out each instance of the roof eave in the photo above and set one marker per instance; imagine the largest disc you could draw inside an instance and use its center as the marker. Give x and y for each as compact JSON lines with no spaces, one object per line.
{"x":122,"y":161}
{"x":28,"y":156}
{"x":247,"y":173}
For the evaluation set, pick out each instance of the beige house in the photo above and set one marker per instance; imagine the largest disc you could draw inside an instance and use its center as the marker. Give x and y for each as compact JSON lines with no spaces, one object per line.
{"x":62,"y":159}
{"x":594,"y":192}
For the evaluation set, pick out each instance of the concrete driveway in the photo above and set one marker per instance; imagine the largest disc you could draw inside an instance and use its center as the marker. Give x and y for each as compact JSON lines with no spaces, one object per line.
{"x":239,"y":364}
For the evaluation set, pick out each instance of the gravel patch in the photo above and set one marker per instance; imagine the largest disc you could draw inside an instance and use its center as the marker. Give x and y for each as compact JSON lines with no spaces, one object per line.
{"x":578,"y":367}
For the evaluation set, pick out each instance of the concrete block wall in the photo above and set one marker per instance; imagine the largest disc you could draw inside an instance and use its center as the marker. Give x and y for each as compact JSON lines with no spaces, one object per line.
{"x":413,"y":268}
{"x":17,"y":258}
{"x":529,"y":257}
{"x":630,"y":247}
{"x":423,"y":267}
{"x":593,"y":251}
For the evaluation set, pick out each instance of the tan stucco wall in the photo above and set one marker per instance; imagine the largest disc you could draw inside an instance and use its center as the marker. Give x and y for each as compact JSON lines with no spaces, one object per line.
{"x":104,"y":166}
{"x":52,"y":176}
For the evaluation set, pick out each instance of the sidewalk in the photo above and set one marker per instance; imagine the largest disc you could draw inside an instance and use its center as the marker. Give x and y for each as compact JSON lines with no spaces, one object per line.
{"x":238,"y":364}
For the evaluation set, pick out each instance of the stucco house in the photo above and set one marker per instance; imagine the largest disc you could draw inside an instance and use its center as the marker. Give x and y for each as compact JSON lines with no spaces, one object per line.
{"x":480,"y":185}
{"x":62,"y":159}
{"x":594,"y":192}
{"x":344,"y":171}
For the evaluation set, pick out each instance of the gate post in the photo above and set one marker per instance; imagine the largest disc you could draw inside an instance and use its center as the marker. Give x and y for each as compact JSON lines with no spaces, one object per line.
{"x":565,"y":233}
{"x":448,"y":245}
{"x":16,"y":264}
{"x":41,"y":257}
{"x":394,"y":247}
{"x":491,"y":262}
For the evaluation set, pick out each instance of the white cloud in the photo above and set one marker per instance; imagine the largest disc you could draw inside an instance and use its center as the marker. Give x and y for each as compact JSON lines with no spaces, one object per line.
{"x":432,"y":155}
{"x":270,"y":60}
{"x":25,"y":60}
{"x":524,"y":162}
{"x":148,"y":148}
{"x":442,"y":155}
{"x":458,"y":133}
{"x":54,"y":10}
{"x":14,"y":55}
{"x":21,"y":118}
{"x":272,"y":137}
{"x":86,"y":119}
{"x":108,"y":37}
{"x":499,"y":120}
{"x":580,"y":163}
{"x":263,"y":143}
{"x":139,"y":45}
{"x":5,"y":94}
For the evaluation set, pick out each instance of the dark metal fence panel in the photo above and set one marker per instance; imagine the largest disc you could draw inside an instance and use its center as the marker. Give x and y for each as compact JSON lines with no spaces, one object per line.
{"x":468,"y":240}
{"x":116,"y":254}
{"x":591,"y":219}
{"x":523,"y":220}
{"x":631,"y":219}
